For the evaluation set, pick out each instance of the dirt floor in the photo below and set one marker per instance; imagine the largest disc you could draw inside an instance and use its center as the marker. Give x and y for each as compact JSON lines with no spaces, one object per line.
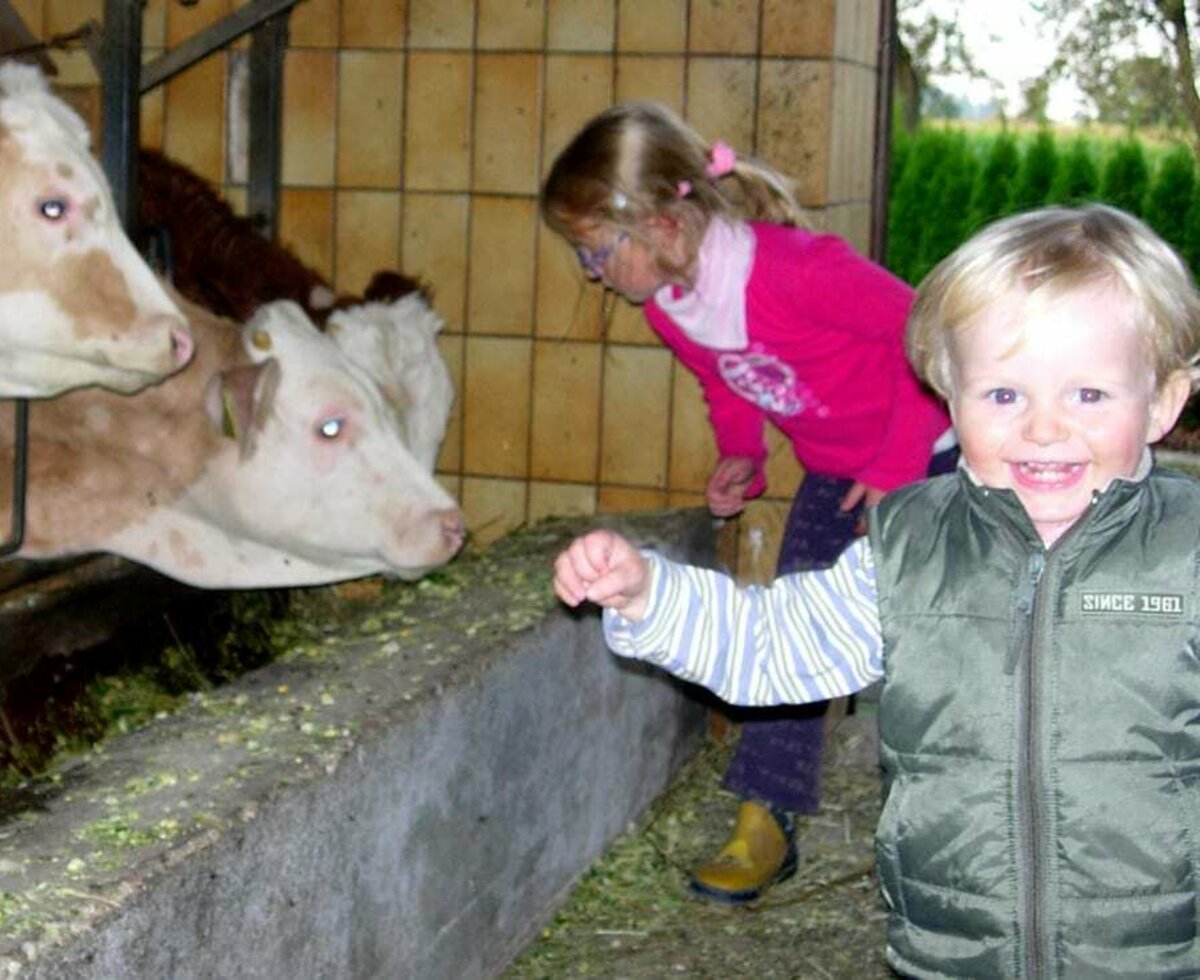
{"x":631,"y":916}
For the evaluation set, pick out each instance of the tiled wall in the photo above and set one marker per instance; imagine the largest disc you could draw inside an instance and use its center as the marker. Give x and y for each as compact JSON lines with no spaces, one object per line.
{"x":415,"y":135}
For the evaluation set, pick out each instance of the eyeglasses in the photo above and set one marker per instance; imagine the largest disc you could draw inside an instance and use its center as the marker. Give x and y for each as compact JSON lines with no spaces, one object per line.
{"x":593,"y":261}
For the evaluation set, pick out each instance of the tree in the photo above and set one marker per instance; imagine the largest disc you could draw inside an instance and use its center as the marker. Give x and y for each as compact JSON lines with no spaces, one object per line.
{"x":1078,"y":175}
{"x":1036,"y":172}
{"x":1093,"y":37}
{"x":1125,"y":177}
{"x":990,"y":196}
{"x":944,"y":224}
{"x":929,"y":44}
{"x":1170,"y":196}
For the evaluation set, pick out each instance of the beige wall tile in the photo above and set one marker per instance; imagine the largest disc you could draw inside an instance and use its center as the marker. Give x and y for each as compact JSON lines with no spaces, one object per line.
{"x":371,"y":24}
{"x":496,"y":401}
{"x":580,"y":25}
{"x":693,"y":445}
{"x":724,"y":26}
{"x":686,"y":500}
{"x":314,"y":24}
{"x":74,"y":69}
{"x":566,"y":411}
{"x":560,"y":500}
{"x":369,"y":118}
{"x":658,"y":25}
{"x":568,"y":307}
{"x":438,"y":122}
{"x":62,"y":16}
{"x":184,"y":22}
{"x":720,"y":100}
{"x":452,"y":484}
{"x":634,"y":424}
{"x":799,"y":29}
{"x":195,"y":124}
{"x":492,"y":509}
{"x":500,"y":266}
{"x":794,"y":124}
{"x":851,"y":152}
{"x":154,"y":26}
{"x":441,"y":23}
{"x":452,"y":348}
{"x":577,"y":88}
{"x":368,"y":237}
{"x":626,"y":324}
{"x":153,"y":111}
{"x":659,"y":79}
{"x":852,"y":222}
{"x":434,"y":249}
{"x":507,"y":104}
{"x":511,"y":24}
{"x":32,"y":15}
{"x":306,"y":227}
{"x":856,"y":37}
{"x":309,"y":101}
{"x":616,"y":500}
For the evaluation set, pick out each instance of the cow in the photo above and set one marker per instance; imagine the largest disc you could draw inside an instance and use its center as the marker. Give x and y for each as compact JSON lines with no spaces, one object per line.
{"x":78,"y":305}
{"x":276,"y":459}
{"x":222,"y":261}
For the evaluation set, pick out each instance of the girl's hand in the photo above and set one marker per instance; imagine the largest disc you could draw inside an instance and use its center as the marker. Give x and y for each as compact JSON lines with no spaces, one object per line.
{"x":726,"y":493}
{"x":861,"y":493}
{"x":603,"y":568}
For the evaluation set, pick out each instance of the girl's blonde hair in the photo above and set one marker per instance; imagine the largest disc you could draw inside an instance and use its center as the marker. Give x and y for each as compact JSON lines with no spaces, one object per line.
{"x":639,"y":160}
{"x":1052,"y":252}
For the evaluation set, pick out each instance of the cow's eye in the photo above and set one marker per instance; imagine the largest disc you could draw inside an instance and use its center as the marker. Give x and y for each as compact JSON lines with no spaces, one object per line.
{"x":331,"y":428}
{"x":53,"y":208}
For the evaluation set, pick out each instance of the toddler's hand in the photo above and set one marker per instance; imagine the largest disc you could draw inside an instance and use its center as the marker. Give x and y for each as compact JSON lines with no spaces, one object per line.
{"x":606,"y":569}
{"x":726,"y":493}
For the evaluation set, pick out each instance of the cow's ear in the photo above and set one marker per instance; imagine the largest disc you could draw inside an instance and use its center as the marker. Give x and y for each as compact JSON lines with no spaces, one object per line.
{"x":238,"y":400}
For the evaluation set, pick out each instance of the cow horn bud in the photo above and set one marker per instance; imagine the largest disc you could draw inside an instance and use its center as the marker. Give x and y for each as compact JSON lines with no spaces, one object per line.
{"x":261,"y":339}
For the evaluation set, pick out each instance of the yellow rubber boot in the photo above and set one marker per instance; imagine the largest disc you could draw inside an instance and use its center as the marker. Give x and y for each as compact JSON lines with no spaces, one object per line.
{"x":759,"y":853}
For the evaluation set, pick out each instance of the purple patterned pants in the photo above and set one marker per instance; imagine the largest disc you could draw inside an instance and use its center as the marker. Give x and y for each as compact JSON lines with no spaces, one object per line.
{"x":778,"y":759}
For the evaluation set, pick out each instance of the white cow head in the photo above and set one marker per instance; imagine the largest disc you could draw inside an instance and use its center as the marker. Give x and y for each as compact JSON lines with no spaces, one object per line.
{"x":78,"y":306}
{"x":396,"y":344}
{"x":321,"y":471}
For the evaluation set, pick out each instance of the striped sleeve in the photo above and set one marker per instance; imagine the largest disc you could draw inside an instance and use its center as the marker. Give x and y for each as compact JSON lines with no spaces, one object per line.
{"x":806,"y":637}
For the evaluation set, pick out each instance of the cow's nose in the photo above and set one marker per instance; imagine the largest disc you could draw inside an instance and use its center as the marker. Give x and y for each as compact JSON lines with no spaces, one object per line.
{"x":183,"y":346}
{"x":453,"y":530}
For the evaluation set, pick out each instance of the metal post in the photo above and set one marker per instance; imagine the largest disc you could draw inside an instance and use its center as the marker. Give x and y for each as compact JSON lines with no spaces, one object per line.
{"x":120,"y":70}
{"x":268,"y":45}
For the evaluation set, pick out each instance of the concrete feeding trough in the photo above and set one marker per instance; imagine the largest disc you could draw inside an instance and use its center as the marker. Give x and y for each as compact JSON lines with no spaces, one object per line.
{"x":410,"y":790}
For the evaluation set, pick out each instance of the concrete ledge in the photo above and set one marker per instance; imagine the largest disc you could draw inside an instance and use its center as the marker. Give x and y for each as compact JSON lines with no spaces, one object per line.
{"x":408,"y":792}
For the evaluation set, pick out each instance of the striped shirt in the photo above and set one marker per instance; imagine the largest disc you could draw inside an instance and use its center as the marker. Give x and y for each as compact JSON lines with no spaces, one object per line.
{"x":806,"y":637}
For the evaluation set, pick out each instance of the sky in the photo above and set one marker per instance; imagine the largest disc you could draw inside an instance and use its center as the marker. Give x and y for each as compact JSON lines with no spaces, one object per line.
{"x":1004,"y":38}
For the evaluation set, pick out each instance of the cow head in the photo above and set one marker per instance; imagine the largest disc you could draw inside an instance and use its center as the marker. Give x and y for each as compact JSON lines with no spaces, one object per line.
{"x":323,"y":468}
{"x":78,"y":305}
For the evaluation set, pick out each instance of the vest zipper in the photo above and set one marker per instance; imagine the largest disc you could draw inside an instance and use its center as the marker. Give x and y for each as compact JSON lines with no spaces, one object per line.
{"x":1030,"y":778}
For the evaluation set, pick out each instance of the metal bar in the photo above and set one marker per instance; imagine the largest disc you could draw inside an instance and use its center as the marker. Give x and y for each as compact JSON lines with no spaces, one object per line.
{"x":16,"y":37}
{"x":883,"y":130}
{"x":20,"y":470}
{"x":199,"y":46}
{"x":121,"y":110}
{"x":267,"y":48}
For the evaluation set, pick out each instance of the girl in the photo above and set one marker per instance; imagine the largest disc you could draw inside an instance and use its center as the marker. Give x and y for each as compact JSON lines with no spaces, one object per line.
{"x":778,"y":324}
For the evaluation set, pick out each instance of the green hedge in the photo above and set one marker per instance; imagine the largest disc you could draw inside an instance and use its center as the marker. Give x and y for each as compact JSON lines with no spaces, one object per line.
{"x":946,"y":183}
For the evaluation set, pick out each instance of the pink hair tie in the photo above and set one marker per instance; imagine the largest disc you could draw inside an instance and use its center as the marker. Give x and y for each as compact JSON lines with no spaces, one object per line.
{"x":722,"y":159}
{"x":683,"y":188}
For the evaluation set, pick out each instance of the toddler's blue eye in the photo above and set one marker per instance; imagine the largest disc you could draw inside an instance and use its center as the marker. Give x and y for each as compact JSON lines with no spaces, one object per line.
{"x":1002,"y":396}
{"x":1089,"y":396}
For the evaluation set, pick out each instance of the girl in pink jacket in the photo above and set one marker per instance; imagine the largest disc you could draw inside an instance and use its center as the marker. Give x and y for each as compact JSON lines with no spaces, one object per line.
{"x":780,"y":325}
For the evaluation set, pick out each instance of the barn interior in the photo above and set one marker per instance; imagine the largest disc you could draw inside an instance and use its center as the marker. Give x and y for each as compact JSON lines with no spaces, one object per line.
{"x":413,"y":137}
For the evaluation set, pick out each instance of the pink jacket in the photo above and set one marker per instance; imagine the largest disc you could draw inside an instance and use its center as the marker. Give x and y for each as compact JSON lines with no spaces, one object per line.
{"x":825,"y":363}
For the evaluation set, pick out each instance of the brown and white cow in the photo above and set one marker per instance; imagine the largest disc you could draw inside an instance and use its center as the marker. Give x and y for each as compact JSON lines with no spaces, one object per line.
{"x":275,"y":459}
{"x":78,"y":305}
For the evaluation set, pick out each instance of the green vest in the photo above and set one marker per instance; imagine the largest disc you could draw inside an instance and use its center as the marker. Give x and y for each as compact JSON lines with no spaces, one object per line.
{"x":1040,"y":733}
